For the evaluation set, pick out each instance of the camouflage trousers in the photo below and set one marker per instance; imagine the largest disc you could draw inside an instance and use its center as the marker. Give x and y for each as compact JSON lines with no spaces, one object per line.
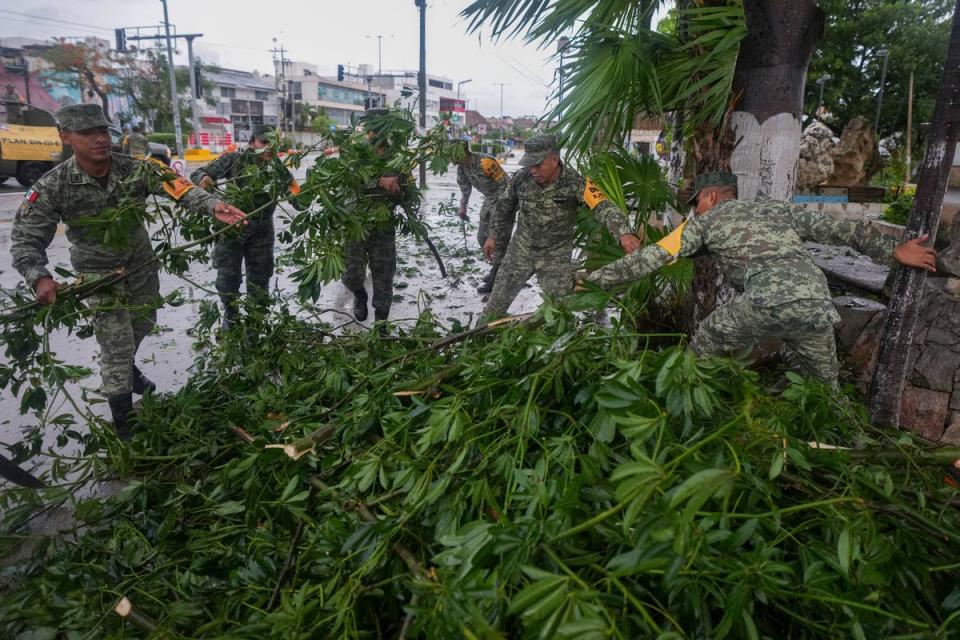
{"x":805,"y":326}
{"x":483,"y":231}
{"x":553,"y":268}
{"x":252,"y":248}
{"x":126,"y":313}
{"x":379,"y":251}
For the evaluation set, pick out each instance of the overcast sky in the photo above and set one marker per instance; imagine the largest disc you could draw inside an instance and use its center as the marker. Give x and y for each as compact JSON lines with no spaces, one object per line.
{"x":239,"y":34}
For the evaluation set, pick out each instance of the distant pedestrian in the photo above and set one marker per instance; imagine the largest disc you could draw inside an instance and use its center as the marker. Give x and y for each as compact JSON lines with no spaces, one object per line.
{"x":136,"y":144}
{"x":13,"y":105}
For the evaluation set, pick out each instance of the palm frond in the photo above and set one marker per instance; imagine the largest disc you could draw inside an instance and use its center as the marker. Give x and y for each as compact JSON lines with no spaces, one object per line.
{"x":543,"y":21}
{"x":616,"y":74}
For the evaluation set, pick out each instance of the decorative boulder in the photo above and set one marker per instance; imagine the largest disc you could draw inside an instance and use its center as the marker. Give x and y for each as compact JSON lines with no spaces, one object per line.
{"x":855,"y":155}
{"x":816,"y":156}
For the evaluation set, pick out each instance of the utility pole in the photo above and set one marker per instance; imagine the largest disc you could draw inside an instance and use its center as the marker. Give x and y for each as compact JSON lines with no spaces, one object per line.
{"x":193,"y":78}
{"x":501,"y":85}
{"x":886,"y":387}
{"x":193,"y":94}
{"x":422,"y":5}
{"x":883,"y":78}
{"x":174,"y":101}
{"x":380,"y":38}
{"x":906,"y":179}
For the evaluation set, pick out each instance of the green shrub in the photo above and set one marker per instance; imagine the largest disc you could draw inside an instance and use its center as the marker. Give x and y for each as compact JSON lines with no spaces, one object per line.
{"x":899,"y":209}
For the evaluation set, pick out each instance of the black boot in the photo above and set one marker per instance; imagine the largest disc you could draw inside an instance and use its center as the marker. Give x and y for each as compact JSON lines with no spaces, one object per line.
{"x":380,"y":318}
{"x":121,"y":408}
{"x":141,"y":383}
{"x":360,"y":304}
{"x":487,"y":285}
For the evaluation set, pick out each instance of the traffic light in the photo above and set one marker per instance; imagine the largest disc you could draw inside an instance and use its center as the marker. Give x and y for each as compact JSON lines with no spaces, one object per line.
{"x":340,"y":72}
{"x":121,"y":36}
{"x":198,"y":81}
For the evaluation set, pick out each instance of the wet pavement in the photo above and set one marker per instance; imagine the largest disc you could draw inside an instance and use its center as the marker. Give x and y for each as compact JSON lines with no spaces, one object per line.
{"x":167,"y":355}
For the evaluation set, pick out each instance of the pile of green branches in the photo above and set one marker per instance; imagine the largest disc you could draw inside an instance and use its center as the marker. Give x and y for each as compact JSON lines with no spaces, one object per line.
{"x":542,"y":477}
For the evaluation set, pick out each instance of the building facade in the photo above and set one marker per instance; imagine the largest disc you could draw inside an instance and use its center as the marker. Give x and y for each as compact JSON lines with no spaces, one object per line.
{"x":340,"y":99}
{"x":244,"y":101}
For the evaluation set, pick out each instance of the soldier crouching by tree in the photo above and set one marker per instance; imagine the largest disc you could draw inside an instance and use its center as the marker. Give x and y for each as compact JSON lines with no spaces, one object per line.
{"x":92,"y":181}
{"x":759,"y":247}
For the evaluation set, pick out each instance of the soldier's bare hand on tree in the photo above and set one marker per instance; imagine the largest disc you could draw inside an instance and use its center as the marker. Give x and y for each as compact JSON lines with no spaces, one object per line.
{"x":488,"y":248}
{"x":390,"y":184}
{"x":630,"y":243}
{"x":207,"y":183}
{"x":46,"y":290}
{"x":228,"y":214}
{"x":913,"y":253}
{"x":463,"y":211}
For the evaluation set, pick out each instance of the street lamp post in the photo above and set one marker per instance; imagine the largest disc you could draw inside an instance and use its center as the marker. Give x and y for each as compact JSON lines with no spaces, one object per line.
{"x":502,"y":85}
{"x":562,"y":44}
{"x":380,"y":38}
{"x":460,"y":84}
{"x":883,"y":78}
{"x":822,"y":80}
{"x":174,"y":98}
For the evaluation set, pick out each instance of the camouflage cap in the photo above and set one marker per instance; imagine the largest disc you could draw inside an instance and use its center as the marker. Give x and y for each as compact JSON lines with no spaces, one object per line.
{"x":537,"y":148}
{"x":712,"y":179}
{"x":79,"y":117}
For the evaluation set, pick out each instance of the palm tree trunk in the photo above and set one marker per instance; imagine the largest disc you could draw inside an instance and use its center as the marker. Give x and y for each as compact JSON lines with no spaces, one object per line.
{"x":769,"y":81}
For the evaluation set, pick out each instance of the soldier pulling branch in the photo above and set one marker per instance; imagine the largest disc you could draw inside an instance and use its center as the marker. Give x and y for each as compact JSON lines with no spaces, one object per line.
{"x":91,"y":181}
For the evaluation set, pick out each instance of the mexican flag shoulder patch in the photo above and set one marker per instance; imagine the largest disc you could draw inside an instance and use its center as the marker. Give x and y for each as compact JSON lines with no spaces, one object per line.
{"x":31,"y":196}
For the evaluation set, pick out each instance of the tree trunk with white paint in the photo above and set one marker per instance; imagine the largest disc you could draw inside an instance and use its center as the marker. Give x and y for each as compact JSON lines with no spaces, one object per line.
{"x":768,"y":88}
{"x":891,"y":371}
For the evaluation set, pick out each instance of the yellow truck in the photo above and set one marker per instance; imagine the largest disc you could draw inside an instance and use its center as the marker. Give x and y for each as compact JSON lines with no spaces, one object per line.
{"x":30,"y":149}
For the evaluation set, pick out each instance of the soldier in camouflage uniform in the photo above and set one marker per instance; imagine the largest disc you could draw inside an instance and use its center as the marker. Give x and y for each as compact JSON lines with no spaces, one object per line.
{"x":485,"y":173}
{"x":252,"y":245}
{"x":13,"y":104}
{"x":92,"y":180}
{"x":759,"y":246}
{"x":547,"y":194}
{"x":378,"y":249}
{"x":135,"y":144}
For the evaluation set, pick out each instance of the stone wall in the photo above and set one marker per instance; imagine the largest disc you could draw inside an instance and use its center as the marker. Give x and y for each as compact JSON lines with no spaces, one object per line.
{"x":930,"y":404}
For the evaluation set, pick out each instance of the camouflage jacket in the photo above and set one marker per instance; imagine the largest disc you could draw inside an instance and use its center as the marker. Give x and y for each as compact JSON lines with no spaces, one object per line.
{"x":759,"y":246}
{"x":548,"y":213}
{"x":67,"y":194}
{"x":480,"y":171}
{"x":233,"y":166}
{"x":136,"y":144}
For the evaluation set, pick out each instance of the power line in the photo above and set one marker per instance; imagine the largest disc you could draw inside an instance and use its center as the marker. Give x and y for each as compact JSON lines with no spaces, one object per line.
{"x":69,"y":22}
